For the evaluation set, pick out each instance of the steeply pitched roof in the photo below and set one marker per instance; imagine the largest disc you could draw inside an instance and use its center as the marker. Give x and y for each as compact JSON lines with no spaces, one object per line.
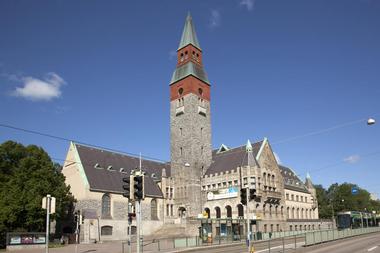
{"x":231,"y":159}
{"x":291,"y":180}
{"x":188,"y":35}
{"x":107,"y":179}
{"x":187,"y":69}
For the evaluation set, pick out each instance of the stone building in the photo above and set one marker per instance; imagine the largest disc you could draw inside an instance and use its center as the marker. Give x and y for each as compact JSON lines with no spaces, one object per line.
{"x":198,"y":191}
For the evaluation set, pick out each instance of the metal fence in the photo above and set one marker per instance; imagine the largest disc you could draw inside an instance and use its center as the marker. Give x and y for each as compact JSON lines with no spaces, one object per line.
{"x":273,"y":242}
{"x":330,"y":235}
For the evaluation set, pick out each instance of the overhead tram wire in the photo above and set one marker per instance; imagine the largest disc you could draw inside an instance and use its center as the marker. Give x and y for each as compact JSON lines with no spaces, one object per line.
{"x":221,"y":154}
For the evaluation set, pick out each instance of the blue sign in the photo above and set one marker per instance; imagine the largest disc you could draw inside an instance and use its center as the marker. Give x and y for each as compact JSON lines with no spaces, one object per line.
{"x":354,"y":191}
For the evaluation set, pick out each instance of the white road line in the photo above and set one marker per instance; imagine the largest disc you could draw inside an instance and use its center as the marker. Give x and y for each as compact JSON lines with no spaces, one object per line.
{"x":372,"y":248}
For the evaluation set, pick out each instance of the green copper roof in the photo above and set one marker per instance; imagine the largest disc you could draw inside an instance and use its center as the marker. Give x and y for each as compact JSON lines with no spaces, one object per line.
{"x":187,"y":69}
{"x":188,"y":35}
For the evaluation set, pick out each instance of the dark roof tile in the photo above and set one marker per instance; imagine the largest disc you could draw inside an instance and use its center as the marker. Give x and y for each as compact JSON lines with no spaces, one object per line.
{"x":101,"y":179}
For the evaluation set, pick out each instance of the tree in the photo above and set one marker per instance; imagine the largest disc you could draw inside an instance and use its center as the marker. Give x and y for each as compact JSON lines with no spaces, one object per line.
{"x":324,"y":208}
{"x":27,"y":174}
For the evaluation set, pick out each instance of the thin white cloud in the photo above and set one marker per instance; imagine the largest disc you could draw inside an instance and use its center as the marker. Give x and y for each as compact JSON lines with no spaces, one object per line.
{"x":40,"y":89}
{"x":277,"y":158}
{"x":249,"y":4}
{"x":352,"y":159}
{"x":215,"y":18}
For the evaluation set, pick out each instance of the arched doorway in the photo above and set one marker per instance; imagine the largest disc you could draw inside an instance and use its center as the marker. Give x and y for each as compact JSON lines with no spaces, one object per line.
{"x":182,"y":212}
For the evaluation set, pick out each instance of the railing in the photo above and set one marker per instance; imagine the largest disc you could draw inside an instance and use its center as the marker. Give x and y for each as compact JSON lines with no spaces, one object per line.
{"x":330,"y":235}
{"x":287,"y":241}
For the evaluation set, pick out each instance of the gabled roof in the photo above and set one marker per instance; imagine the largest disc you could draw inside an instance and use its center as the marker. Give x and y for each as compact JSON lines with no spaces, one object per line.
{"x":96,"y":163}
{"x":188,"y":35}
{"x":291,"y":180}
{"x":187,"y":69}
{"x":231,"y":158}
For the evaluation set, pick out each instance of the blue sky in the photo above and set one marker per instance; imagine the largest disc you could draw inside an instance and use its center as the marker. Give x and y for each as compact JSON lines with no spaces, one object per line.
{"x":99,"y":71}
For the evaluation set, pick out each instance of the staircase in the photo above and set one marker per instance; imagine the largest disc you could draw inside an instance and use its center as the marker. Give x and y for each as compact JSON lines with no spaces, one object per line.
{"x":171,"y":231}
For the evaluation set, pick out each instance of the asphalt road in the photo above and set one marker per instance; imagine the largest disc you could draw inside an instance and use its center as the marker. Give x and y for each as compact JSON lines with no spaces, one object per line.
{"x":360,"y":244}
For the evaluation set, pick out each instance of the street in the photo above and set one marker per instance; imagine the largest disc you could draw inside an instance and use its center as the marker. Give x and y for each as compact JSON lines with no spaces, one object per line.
{"x":366,"y":243}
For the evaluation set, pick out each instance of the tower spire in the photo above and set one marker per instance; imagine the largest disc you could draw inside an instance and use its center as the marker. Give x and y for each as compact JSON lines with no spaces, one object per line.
{"x":188,"y":35}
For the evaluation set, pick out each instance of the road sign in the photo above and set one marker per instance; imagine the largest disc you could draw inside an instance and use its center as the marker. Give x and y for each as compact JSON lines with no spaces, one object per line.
{"x":354,"y":191}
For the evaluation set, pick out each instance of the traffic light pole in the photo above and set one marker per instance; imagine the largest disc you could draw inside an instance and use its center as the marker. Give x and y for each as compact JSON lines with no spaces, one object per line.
{"x":138,"y":215}
{"x":248,"y":223}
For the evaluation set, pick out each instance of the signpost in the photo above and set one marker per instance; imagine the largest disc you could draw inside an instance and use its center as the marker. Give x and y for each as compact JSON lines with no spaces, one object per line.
{"x":354,"y":190}
{"x":48,"y":203}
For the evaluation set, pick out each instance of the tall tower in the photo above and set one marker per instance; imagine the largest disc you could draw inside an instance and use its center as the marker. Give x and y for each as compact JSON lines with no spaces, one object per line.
{"x":190,"y":123}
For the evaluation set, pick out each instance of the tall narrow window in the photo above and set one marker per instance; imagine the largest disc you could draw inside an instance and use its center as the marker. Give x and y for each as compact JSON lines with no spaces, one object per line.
{"x":201,"y":131}
{"x":202,"y":150}
{"x":153,"y":210}
{"x":106,"y":206}
{"x":180,"y":131}
{"x":181,"y":151}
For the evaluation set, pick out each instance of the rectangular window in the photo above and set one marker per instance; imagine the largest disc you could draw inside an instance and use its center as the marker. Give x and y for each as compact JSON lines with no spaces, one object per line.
{"x":245,"y":181}
{"x":292,"y":196}
{"x":306,"y":199}
{"x":171,"y":210}
{"x":287,"y":196}
{"x":167,"y":192}
{"x":213,"y":186}
{"x":229,"y":183}
{"x":236,"y":182}
{"x":167,"y":209}
{"x":219,"y":185}
{"x":224,"y":184}
{"x":297,"y":198}
{"x":301,"y":198}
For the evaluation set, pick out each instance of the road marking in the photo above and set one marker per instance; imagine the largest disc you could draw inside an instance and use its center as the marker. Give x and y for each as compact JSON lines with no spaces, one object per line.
{"x":372,"y":248}
{"x":280,"y":246}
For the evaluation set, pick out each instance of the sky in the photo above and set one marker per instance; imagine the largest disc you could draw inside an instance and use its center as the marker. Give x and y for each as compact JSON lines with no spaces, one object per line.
{"x":304,"y":74}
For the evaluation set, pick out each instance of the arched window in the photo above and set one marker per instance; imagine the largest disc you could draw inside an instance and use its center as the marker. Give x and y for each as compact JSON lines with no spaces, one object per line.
{"x":217,"y":212}
{"x":106,"y":230}
{"x":207,"y":210}
{"x":106,"y":206}
{"x":229,"y":211}
{"x":240,"y":210}
{"x":287,"y":213}
{"x":302,"y":213}
{"x":153,"y":209}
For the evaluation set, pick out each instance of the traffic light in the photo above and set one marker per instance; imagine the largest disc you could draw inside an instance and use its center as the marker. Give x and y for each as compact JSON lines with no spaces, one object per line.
{"x":252,"y":194}
{"x":127,"y":187}
{"x":138,"y":187}
{"x":243,"y":196}
{"x":76,"y":216}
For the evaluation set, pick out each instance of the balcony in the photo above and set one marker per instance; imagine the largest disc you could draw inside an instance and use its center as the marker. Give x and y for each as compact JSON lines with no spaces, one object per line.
{"x":272,"y":197}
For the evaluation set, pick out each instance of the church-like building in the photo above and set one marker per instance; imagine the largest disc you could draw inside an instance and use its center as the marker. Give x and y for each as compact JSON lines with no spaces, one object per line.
{"x":197,"y":191}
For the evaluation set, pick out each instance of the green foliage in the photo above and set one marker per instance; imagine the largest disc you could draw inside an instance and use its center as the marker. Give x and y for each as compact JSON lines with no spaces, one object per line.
{"x":27,"y":174}
{"x":338,"y":198}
